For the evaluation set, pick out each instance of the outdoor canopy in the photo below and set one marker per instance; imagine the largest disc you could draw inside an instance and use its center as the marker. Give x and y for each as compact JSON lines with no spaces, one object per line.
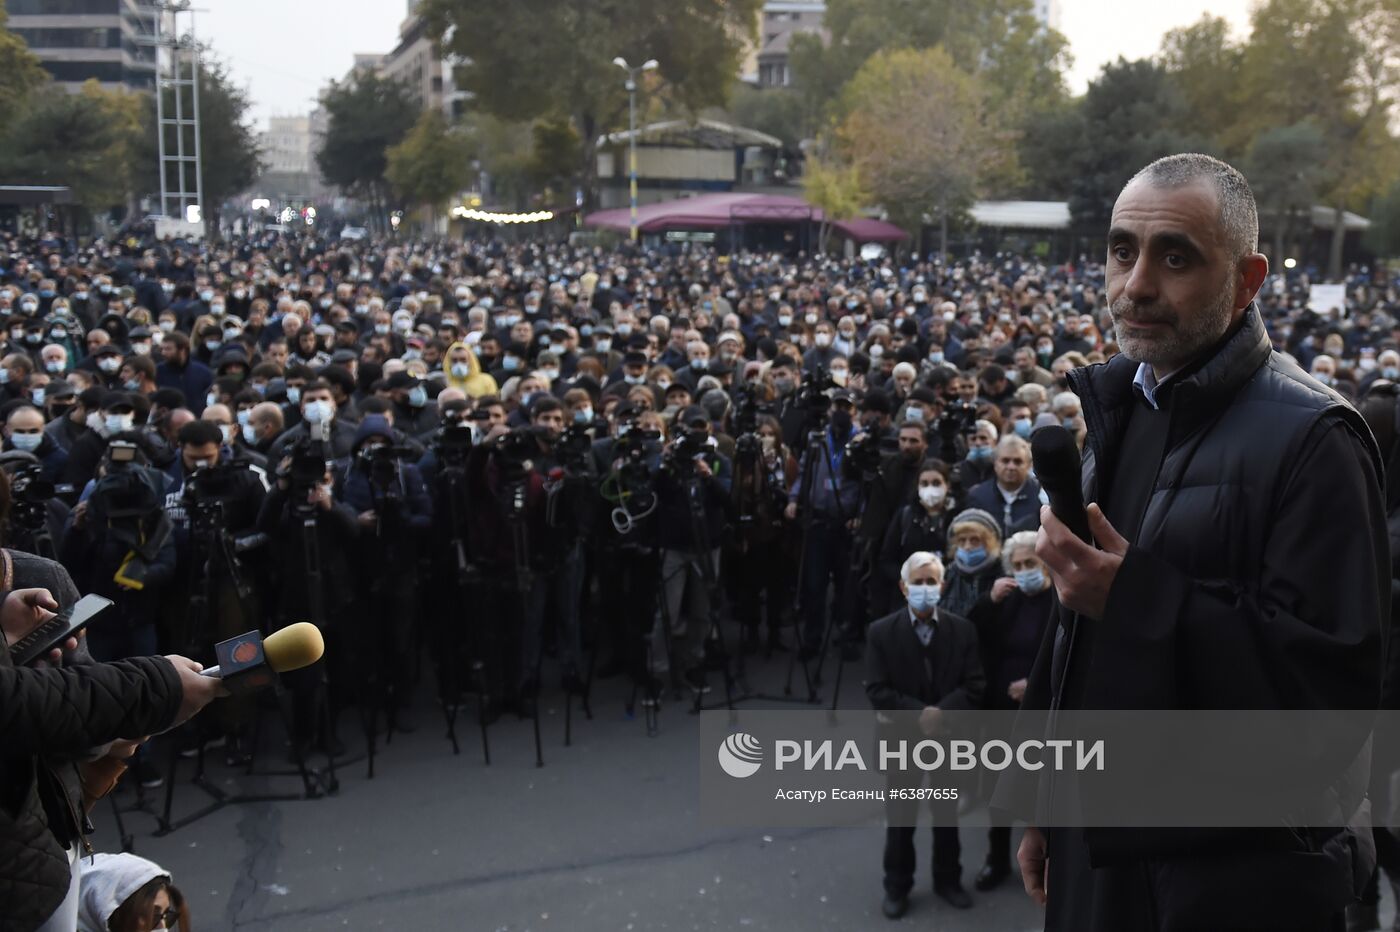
{"x":718,"y":211}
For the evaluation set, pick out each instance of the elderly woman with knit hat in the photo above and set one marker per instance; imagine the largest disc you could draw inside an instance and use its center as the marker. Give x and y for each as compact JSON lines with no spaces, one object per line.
{"x":975,"y":545}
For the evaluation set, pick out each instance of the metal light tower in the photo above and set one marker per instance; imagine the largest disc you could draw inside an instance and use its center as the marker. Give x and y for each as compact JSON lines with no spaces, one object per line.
{"x":189,"y":205}
{"x":631,"y":86}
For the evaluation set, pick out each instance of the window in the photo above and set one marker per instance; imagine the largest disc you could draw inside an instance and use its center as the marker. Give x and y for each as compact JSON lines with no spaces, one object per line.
{"x":109,"y":71}
{"x":85,"y":38}
{"x":62,"y":7}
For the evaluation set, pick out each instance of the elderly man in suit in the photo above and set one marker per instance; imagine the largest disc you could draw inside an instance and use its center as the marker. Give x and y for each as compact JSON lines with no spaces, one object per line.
{"x":922,"y":660}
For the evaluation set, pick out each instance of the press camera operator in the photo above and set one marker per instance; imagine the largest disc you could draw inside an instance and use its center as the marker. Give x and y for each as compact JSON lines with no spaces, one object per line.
{"x":627,"y":546}
{"x":394,"y":511}
{"x":524,"y":560}
{"x":692,"y":489}
{"x":213,"y":507}
{"x":892,"y":486}
{"x":310,"y":534}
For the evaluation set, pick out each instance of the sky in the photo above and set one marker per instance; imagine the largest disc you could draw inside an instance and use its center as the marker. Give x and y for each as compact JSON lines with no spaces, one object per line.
{"x":284,"y":51}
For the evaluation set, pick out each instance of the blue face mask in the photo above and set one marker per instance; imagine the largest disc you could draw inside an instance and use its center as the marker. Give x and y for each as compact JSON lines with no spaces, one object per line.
{"x":1068,"y":422}
{"x":973,"y":557}
{"x":923,"y":599}
{"x":979,"y":454}
{"x":1390,"y":372}
{"x":417,"y":396}
{"x":294,"y":394}
{"x":27,"y":442}
{"x":1030,"y":581}
{"x":510,"y":364}
{"x":1022,"y":427}
{"x":936,"y":358}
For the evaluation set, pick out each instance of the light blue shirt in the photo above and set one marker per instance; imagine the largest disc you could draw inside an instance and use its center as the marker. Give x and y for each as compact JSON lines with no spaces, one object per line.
{"x":1148,"y":385}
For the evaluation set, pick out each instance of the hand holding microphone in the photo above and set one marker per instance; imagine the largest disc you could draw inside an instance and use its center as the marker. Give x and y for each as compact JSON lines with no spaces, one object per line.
{"x":1082,"y":573}
{"x":249,"y":663}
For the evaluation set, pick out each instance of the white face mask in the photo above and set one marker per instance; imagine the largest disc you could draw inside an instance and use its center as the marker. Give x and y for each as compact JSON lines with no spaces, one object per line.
{"x":932,"y":495}
{"x":118,"y":423}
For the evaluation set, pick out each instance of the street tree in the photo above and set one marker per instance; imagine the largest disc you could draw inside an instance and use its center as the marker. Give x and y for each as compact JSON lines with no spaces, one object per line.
{"x":431,"y":164}
{"x":835,"y":188}
{"x":552,"y":59}
{"x":920,"y":134}
{"x":366,"y":116}
{"x":1286,"y":168}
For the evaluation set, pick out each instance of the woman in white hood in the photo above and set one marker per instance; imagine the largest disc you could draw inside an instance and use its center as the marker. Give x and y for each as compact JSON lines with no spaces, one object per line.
{"x":124,"y":893}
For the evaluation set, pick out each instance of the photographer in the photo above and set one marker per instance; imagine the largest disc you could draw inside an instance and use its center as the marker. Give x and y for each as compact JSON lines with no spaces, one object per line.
{"x":626,"y":564}
{"x":523,"y":558}
{"x":758,"y":560}
{"x":890,"y":488}
{"x":119,"y":544}
{"x":317,"y":407}
{"x":394,"y":511}
{"x":309,"y":535}
{"x":213,"y":507}
{"x":692,"y":490}
{"x":834,"y":503}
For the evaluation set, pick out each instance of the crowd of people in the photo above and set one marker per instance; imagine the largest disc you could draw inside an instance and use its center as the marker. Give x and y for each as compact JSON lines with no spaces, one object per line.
{"x":639,"y":463}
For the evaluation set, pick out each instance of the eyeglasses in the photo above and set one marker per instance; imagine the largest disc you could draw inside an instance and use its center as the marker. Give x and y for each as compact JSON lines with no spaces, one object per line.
{"x":169,"y":918}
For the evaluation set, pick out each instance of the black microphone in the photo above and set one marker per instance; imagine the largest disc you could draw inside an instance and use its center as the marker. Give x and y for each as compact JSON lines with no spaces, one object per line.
{"x":1059,"y":468}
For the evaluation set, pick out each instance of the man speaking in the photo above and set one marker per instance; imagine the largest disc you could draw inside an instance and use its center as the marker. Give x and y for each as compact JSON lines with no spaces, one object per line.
{"x":1241,"y":563}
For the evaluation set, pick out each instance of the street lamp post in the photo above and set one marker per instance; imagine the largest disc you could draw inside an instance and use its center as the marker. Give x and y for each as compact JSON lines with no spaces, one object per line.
{"x":631,"y":86}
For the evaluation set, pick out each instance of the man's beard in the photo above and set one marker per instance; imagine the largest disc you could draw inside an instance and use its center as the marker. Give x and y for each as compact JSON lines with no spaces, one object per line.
{"x":1180,"y":341}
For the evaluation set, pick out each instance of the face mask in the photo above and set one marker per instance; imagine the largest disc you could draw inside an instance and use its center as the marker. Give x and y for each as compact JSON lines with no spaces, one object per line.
{"x":784,"y":320}
{"x":294,"y":394}
{"x":811,"y":319}
{"x":326,"y":304}
{"x":972,"y":557}
{"x":105,"y":289}
{"x":1068,"y":423}
{"x":210,"y":400}
{"x":876,"y":351}
{"x":109,"y":364}
{"x":411,"y":354}
{"x":924,"y":599}
{"x":931,"y":495}
{"x":206,"y":295}
{"x":319,"y":412}
{"x":361,"y":309}
{"x":852,"y":304}
{"x":17,"y":334}
{"x":634,"y":379}
{"x":1030,"y":581}
{"x":624,"y":330}
{"x":1390,"y":372}
{"x":132,"y":385}
{"x":250,"y":433}
{"x":602,"y":346}
{"x":979,"y":454}
{"x":217,"y":310}
{"x":914,"y":414}
{"x":244,"y":415}
{"x":54,"y":366}
{"x":948,"y":316}
{"x":583,"y":416}
{"x":213,"y":345}
{"x":382,"y":329}
{"x":823,"y":340}
{"x":118,"y":423}
{"x":94,"y":421}
{"x":167,"y":325}
{"x":510,"y":364}
{"x":58,"y":335}
{"x":34,"y":338}
{"x":238,"y":294}
{"x":228,"y":431}
{"x":28,"y":307}
{"x":510,"y":320}
{"x":699,"y":365}
{"x":1022,"y":427}
{"x":839,"y":376}
{"x":27,"y":442}
{"x":1366,"y":364}
{"x":936,"y":358}
{"x":417,"y":396}
{"x":37,"y":395}
{"x":526,"y":398}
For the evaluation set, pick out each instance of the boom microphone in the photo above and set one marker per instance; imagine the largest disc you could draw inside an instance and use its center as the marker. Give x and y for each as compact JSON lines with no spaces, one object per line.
{"x":247,"y":662}
{"x":1059,"y":468}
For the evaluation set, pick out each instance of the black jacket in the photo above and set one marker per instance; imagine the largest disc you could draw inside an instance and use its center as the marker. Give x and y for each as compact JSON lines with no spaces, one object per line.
{"x":51,"y":718}
{"x":895,"y":674}
{"x":1259,"y":579}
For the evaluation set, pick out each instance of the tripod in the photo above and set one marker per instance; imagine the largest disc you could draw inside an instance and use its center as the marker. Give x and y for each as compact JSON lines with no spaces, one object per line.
{"x":448,"y":690}
{"x":212,"y":559}
{"x":816,"y":447}
{"x":520,"y":540}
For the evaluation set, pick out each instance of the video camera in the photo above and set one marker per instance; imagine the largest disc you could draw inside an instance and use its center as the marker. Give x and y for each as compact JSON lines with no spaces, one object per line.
{"x":959,"y":417}
{"x":381,"y":461}
{"x":863,"y":455}
{"x":30,"y":493}
{"x":453,"y":444}
{"x":812,"y":395}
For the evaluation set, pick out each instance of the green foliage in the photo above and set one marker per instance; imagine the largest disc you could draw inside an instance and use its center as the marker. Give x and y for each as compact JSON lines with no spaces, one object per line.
{"x":777,"y":111}
{"x":1286,"y":169}
{"x":552,"y":59}
{"x":65,"y":139}
{"x":836,"y":189}
{"x":20,"y":72}
{"x":366,"y":116}
{"x":1000,"y":40}
{"x":920,"y":134}
{"x":431,"y":164}
{"x":1384,"y":235}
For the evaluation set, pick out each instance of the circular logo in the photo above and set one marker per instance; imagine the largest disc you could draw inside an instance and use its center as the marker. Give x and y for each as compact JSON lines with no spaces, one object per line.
{"x":740,"y":755}
{"x":246,"y":652}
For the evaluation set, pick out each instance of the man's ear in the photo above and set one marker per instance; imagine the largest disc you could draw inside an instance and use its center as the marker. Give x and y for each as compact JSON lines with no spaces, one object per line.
{"x":1252,"y":271}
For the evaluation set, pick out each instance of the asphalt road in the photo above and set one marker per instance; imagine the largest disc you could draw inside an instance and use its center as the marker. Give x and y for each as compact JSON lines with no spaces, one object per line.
{"x":606,"y":836}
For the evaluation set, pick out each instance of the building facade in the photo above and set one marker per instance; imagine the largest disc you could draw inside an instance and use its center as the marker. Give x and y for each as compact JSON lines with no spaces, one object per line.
{"x":415,"y":62}
{"x":780,"y":21}
{"x":81,"y":40}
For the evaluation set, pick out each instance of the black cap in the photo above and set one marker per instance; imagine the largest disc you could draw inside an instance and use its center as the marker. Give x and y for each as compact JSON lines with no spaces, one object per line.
{"x":402,"y":379}
{"x":111,"y":401}
{"x":844,"y":395}
{"x":634,"y":358}
{"x":692,"y":414}
{"x":107,"y":349}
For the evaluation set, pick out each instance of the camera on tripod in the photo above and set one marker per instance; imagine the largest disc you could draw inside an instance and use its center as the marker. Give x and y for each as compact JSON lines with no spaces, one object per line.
{"x":812,"y":396}
{"x":863,"y":455}
{"x":381,"y":461}
{"x":574,"y":446}
{"x":30,"y":493}
{"x":959,"y":417}
{"x":453,"y":444}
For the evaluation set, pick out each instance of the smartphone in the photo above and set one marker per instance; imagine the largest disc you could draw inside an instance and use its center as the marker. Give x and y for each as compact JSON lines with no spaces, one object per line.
{"x":57,"y":629}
